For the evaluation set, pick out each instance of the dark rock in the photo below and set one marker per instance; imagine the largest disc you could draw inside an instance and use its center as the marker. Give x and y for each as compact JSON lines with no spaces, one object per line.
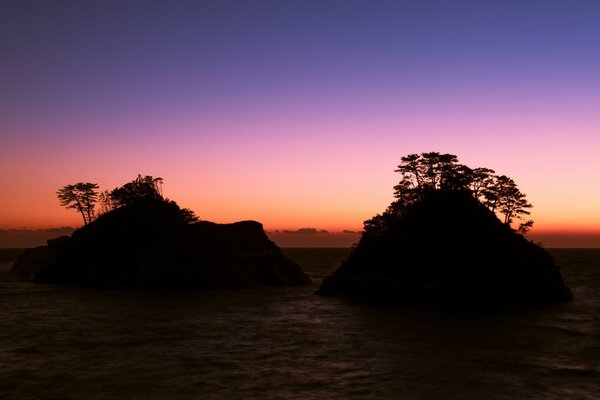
{"x":449,"y":248}
{"x":148,"y":244}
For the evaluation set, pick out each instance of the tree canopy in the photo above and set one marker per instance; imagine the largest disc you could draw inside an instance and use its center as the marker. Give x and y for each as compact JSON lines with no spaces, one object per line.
{"x":421,"y":174}
{"x":141,"y":188}
{"x":84,"y":196}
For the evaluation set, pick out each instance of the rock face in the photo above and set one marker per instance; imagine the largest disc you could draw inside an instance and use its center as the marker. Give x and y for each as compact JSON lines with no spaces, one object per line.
{"x":449,"y":248}
{"x":148,"y":244}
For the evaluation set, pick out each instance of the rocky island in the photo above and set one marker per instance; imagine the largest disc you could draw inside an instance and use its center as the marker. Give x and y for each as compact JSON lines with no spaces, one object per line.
{"x":441,"y":241}
{"x":150,"y":242}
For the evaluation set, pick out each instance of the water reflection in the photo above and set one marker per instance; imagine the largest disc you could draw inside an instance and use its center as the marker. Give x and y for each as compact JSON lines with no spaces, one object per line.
{"x":288,"y":343}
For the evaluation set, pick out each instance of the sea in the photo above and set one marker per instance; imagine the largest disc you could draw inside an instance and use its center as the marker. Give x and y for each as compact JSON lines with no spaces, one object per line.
{"x":60,"y":342}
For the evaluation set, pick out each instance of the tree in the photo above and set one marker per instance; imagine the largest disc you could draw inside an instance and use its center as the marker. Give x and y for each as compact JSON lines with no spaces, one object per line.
{"x":503,"y":195}
{"x":442,"y":171}
{"x":189,"y":217}
{"x":82,"y":197}
{"x":410,"y":169}
{"x":377,"y":225}
{"x":141,"y":188}
{"x":481,"y":179}
{"x":433,"y":171}
{"x":524,"y":227}
{"x":406,"y":194}
{"x":426,"y":172}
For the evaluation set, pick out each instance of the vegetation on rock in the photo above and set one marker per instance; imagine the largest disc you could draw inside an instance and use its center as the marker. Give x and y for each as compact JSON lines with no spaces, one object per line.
{"x":141,"y":239}
{"x":442,"y":241}
{"x":422,"y":174}
{"x":84,"y":197}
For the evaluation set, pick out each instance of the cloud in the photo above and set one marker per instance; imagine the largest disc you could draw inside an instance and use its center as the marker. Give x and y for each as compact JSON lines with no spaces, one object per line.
{"x":305,"y":231}
{"x":312,"y":237}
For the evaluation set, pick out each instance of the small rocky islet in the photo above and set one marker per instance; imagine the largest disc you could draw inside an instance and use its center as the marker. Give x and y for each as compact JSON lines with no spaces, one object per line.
{"x":441,"y":241}
{"x":149,"y":244}
{"x":449,"y":248}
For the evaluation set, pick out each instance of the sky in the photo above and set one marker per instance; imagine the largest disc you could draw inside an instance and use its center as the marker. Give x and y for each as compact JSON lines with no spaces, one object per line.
{"x":296,"y":113}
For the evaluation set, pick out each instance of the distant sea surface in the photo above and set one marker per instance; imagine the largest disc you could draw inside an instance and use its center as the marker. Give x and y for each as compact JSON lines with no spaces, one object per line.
{"x":60,"y":342}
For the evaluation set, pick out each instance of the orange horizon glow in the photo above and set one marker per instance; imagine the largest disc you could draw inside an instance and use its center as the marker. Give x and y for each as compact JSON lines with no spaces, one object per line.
{"x":272,"y":218}
{"x":307,"y":198}
{"x":296,"y":115}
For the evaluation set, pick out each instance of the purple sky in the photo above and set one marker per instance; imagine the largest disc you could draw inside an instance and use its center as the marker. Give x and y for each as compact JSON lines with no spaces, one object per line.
{"x":295,"y":113}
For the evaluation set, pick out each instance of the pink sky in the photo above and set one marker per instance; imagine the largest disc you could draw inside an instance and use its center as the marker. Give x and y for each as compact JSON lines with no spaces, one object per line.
{"x":333,"y":176}
{"x":296,"y":115}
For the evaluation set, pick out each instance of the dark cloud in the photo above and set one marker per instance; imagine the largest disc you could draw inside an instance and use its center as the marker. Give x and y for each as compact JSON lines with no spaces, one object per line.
{"x":351,"y":232}
{"x":305,"y":231}
{"x":311,"y":237}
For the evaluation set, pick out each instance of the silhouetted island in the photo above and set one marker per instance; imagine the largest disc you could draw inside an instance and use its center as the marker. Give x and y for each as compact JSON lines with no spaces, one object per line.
{"x":152,"y":242}
{"x":441,"y":241}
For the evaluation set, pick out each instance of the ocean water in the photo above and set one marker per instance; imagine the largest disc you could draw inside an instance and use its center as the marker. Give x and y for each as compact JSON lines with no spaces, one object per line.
{"x":60,"y":342}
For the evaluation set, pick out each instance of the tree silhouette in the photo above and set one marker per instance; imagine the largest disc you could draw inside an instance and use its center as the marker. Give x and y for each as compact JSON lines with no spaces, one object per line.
{"x":503,"y":195}
{"x":105,"y":201}
{"x":141,"y":188}
{"x":433,"y":171}
{"x":189,"y":217}
{"x":481,"y":179}
{"x":524,"y":227}
{"x":82,"y":197}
